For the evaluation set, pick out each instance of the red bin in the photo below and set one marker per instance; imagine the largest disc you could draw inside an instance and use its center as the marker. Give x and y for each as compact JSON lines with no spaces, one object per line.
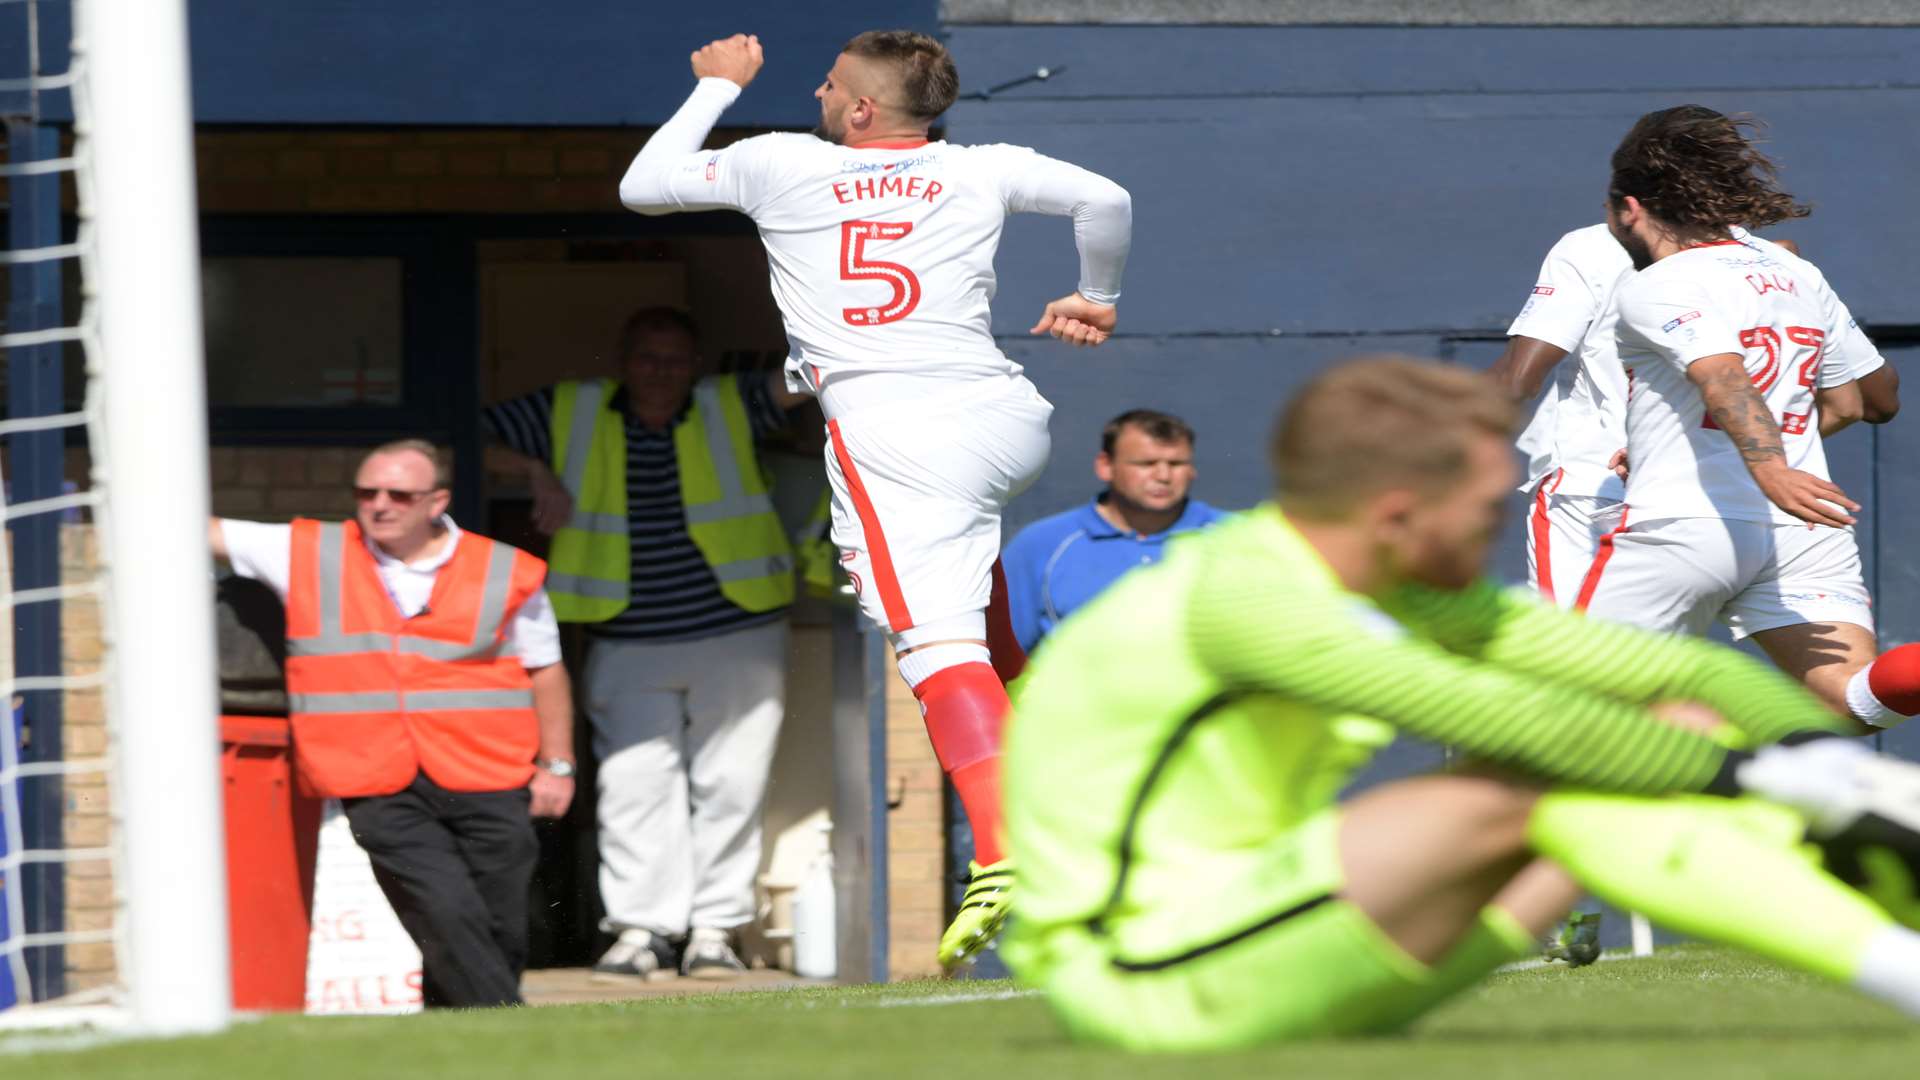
{"x":273,"y":835}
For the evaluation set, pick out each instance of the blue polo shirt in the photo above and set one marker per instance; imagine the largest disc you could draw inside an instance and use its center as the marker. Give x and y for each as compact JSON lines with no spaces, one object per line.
{"x":1058,"y":563}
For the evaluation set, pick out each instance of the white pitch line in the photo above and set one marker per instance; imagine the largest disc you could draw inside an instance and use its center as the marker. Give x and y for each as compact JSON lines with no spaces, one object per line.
{"x":951,"y":999}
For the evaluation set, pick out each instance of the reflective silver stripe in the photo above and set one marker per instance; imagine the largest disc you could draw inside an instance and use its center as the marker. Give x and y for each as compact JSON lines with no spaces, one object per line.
{"x":339,"y":644}
{"x":493,"y":596}
{"x":333,"y":540}
{"x":747,"y":569}
{"x":321,"y":704}
{"x":446,"y":700}
{"x":590,"y":587}
{"x":588,"y":521}
{"x":706,"y":394}
{"x":331,"y":641}
{"x":727,"y":508}
{"x":586,"y":414}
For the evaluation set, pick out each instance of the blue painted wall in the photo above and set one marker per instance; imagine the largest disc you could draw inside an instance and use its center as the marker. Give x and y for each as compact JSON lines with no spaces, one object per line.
{"x":1304,"y":193}
{"x":493,"y":62}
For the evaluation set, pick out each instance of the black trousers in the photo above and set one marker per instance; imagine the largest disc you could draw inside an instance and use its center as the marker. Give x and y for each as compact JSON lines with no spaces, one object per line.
{"x":456,"y":866}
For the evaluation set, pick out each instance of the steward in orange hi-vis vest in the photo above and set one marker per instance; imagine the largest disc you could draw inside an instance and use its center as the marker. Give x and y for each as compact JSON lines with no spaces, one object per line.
{"x":376,"y":697}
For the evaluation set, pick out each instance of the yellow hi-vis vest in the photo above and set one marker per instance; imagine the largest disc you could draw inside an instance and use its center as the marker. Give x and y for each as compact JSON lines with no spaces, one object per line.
{"x":722,"y":493}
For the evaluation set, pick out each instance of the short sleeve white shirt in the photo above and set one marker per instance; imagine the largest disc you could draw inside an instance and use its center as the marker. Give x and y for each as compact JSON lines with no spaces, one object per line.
{"x":1581,"y":420}
{"x":1729,"y":297}
{"x":263,"y":551}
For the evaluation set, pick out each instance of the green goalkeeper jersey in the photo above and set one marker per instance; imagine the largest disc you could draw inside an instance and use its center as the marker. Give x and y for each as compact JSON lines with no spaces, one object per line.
{"x":1200,"y":709}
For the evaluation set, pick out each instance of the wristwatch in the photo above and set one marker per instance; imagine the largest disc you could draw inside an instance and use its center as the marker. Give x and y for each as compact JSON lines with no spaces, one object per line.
{"x":557,"y":766}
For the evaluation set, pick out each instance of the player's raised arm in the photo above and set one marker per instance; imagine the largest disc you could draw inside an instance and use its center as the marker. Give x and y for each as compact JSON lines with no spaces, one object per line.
{"x":671,"y":172}
{"x":1102,"y":213}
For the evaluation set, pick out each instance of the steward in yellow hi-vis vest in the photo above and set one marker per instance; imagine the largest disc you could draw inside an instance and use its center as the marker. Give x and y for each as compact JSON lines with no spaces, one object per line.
{"x":729,"y":515}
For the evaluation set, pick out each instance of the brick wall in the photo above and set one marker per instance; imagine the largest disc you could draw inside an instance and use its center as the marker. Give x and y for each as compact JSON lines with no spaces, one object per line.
{"x":279,"y":483}
{"x":916,"y":839}
{"x":86,"y":822}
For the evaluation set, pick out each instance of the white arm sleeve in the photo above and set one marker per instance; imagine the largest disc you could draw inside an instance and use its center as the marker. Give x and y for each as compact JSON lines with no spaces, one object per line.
{"x":1102,"y":213}
{"x":1563,"y":303}
{"x":672,"y":173}
{"x":534,"y":633}
{"x":1847,"y":354}
{"x":260,"y":550}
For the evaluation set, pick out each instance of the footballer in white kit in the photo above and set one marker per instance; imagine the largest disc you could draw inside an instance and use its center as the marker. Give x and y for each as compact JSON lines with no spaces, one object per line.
{"x":880,"y":247}
{"x":1730,"y":513}
{"x":1574,"y":441}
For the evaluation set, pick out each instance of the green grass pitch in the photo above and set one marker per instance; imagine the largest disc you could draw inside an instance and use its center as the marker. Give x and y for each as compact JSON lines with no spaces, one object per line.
{"x":1689,"y":1012}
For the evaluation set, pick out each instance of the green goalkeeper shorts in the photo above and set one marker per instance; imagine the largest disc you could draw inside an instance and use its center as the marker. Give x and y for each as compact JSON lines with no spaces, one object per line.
{"x":1318,"y":968}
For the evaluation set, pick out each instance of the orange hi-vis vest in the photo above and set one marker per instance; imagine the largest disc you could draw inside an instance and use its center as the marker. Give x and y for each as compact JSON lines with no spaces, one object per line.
{"x":376,"y":698}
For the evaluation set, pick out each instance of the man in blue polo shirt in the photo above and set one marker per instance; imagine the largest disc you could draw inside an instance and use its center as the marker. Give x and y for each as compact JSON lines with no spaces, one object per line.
{"x":1059,"y":563}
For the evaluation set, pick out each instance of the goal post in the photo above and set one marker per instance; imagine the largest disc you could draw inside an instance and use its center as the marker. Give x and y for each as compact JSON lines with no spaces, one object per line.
{"x":134,"y":126}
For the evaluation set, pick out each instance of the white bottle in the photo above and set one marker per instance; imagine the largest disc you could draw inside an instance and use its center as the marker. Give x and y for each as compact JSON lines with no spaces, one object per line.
{"x":815,"y":949}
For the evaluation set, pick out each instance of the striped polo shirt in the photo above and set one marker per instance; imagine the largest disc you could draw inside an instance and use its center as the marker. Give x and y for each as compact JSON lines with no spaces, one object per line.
{"x":675,"y":595}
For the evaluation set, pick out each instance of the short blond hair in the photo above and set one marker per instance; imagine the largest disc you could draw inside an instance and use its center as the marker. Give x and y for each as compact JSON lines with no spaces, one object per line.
{"x":1378,"y":422}
{"x":442,"y":472}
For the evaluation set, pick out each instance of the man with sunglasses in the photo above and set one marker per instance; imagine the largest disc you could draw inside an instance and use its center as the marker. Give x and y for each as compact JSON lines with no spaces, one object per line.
{"x":426,"y":692}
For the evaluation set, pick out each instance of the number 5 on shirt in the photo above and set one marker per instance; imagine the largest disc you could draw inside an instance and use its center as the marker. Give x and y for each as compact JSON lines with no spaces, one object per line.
{"x":855,"y":266}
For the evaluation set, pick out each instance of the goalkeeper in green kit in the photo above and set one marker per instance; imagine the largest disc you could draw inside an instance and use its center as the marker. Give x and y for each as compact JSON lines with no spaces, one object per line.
{"x":1190,"y":881}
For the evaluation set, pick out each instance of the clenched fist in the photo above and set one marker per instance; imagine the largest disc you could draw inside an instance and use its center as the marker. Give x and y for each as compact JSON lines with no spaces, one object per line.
{"x":736,"y":59}
{"x":1077,"y":320}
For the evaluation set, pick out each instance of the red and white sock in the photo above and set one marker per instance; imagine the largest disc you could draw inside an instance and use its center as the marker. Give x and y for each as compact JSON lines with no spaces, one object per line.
{"x":1887,"y":691}
{"x":966,"y":708}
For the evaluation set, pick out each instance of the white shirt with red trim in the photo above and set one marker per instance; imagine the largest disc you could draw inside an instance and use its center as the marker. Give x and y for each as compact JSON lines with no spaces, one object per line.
{"x":1582,"y":419}
{"x":263,"y":551}
{"x":1737,"y":297}
{"x":881,"y":258}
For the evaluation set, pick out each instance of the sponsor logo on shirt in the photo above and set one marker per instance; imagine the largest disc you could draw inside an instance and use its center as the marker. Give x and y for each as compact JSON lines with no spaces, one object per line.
{"x":1543,"y":290}
{"x":713,"y":168}
{"x":1687,"y":318}
{"x":887,"y":166}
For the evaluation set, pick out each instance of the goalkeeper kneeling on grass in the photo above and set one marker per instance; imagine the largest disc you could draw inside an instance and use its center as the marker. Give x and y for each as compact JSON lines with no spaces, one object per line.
{"x":1197,"y":885}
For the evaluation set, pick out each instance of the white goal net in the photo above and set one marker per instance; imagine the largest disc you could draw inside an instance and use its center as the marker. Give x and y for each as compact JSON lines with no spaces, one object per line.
{"x":137,"y":899}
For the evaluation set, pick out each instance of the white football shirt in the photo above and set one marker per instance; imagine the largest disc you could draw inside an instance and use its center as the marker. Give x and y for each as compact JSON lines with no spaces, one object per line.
{"x":1582,"y":419}
{"x":1737,"y":297}
{"x":880,"y":258}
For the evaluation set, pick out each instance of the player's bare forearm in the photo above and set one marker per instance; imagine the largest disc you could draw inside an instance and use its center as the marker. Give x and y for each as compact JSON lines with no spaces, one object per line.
{"x":1524,"y":365}
{"x":216,"y":538}
{"x":1742,"y":413}
{"x":1739,"y":410}
{"x":1879,"y":394}
{"x":1840,"y":407}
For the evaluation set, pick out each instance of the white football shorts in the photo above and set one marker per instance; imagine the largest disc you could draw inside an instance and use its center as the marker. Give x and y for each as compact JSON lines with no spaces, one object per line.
{"x":1680,"y":574}
{"x":1563,"y":535}
{"x":918,"y":488}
